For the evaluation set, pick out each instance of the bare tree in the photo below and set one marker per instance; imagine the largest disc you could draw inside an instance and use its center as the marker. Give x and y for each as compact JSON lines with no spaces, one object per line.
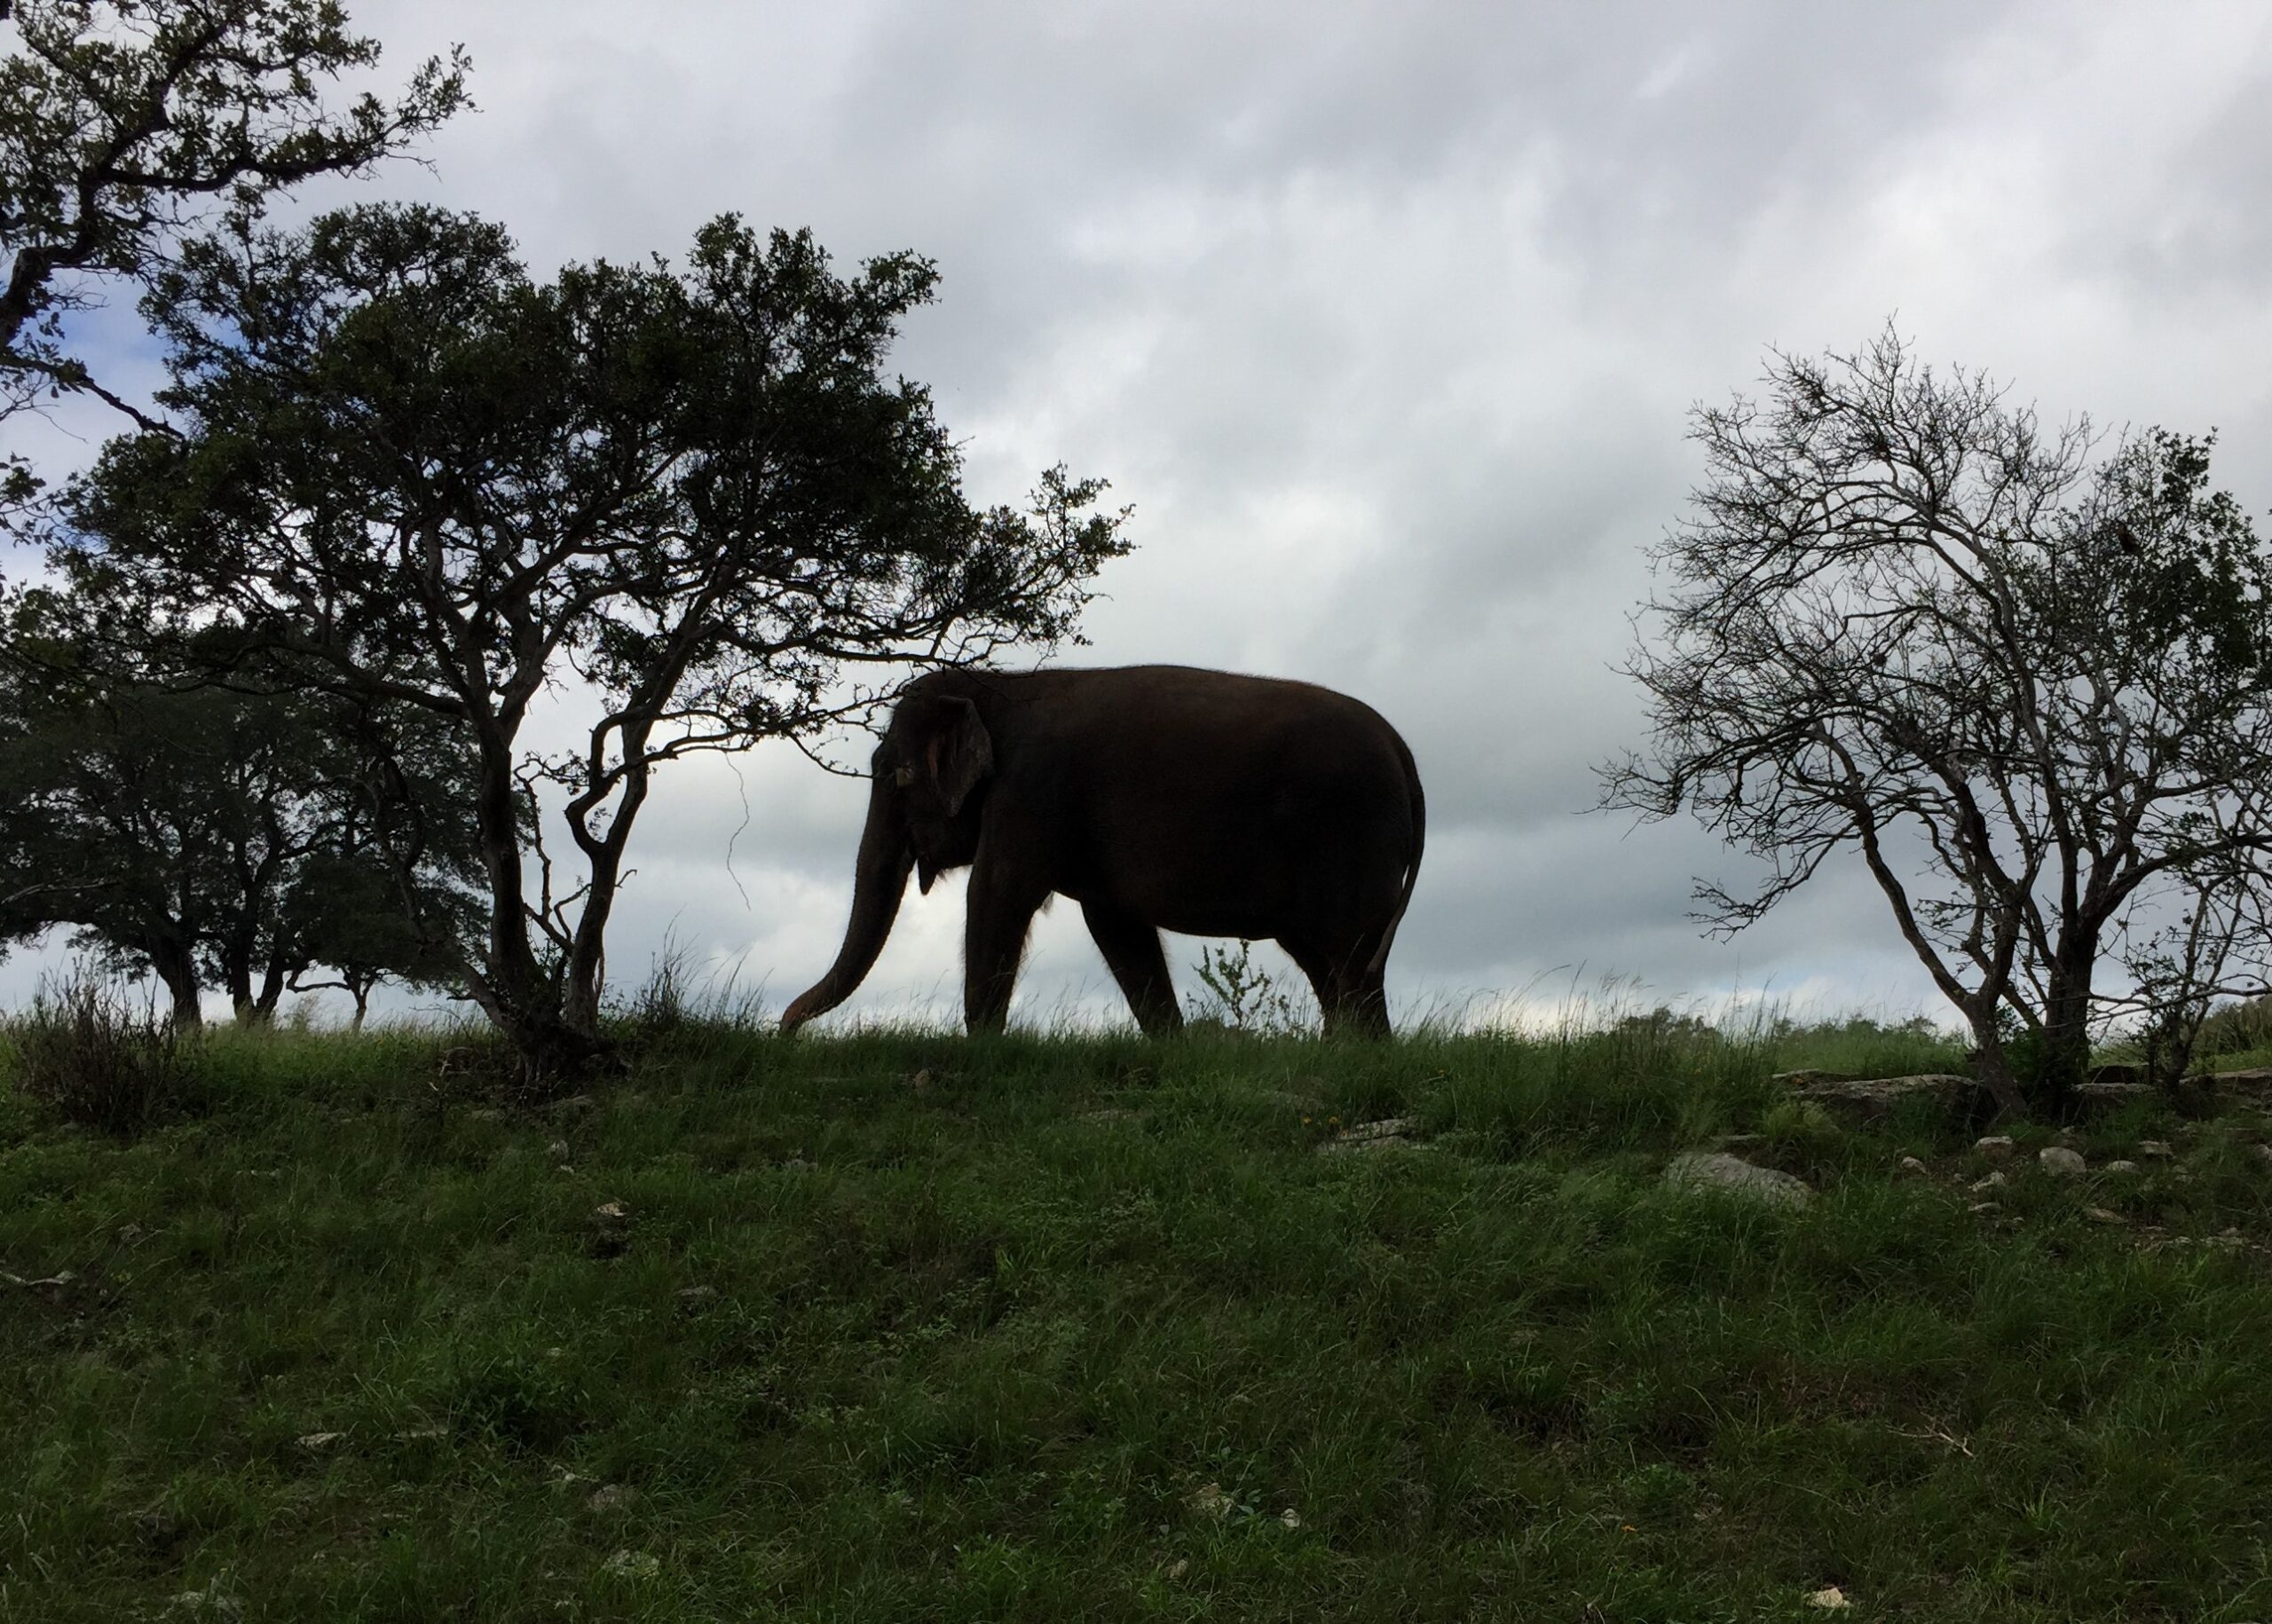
{"x":2026,"y":683}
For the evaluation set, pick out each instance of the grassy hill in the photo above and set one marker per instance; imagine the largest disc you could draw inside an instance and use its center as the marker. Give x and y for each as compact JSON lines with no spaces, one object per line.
{"x":906,"y":1326}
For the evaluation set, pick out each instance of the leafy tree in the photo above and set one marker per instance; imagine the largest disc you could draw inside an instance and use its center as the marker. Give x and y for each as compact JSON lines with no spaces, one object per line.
{"x":212,"y":836}
{"x":2030,"y":686}
{"x":123,"y":121}
{"x":677,"y":502}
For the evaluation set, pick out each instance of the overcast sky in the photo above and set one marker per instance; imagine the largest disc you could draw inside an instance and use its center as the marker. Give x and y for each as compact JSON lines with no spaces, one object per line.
{"x":1387,"y":319}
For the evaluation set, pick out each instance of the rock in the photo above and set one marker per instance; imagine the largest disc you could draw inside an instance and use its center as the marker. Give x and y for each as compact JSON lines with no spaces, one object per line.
{"x":2156,"y":1149}
{"x":2061,"y":1162}
{"x":2248,"y":1080}
{"x":1995,"y":1147}
{"x":1386,"y":1128}
{"x":632,"y":1565}
{"x":1829,"y":1597}
{"x":1865,"y":1100}
{"x":1210,"y":1501}
{"x":2106,"y":1095}
{"x":1291,"y":1518}
{"x":919,"y":1082}
{"x":695,"y":1295}
{"x":1909,"y":1167}
{"x":1178,"y":1567}
{"x":611,"y":1229}
{"x":1994,"y":1181}
{"x":557,"y":1150}
{"x":315,"y":1443}
{"x":2102,"y":1215}
{"x":1717,"y":1170}
{"x":2262,"y":1153}
{"x":611,"y":1497}
{"x":2121,"y":1170}
{"x":1372,"y":1135}
{"x":1985,"y":1206}
{"x":1806,"y":1076}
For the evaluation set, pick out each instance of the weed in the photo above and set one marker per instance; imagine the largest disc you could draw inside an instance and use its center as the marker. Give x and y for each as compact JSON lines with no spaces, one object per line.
{"x":1243,"y":996}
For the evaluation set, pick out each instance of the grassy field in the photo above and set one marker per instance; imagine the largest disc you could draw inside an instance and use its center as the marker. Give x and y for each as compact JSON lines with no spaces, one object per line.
{"x":913,"y":1328}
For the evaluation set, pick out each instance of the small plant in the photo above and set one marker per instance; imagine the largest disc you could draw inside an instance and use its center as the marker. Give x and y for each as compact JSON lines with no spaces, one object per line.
{"x":1242,"y":995}
{"x":87,"y":1050}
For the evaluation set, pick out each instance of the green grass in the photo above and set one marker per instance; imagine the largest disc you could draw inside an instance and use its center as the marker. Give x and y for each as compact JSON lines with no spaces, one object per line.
{"x":906,"y":1326}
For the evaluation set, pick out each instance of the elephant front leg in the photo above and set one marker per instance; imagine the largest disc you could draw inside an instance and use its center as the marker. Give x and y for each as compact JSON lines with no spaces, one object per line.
{"x":1001,"y":909}
{"x":1131,"y":947}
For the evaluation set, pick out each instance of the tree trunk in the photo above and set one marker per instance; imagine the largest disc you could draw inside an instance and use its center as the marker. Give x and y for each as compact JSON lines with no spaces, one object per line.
{"x":177,"y":967}
{"x":1990,"y":1063}
{"x":512,"y":987}
{"x":877,"y":885}
{"x":2065,"y":1059}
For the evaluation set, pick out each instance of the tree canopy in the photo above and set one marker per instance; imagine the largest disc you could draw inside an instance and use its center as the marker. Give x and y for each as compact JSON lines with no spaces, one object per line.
{"x":123,"y":121}
{"x":681,"y":501}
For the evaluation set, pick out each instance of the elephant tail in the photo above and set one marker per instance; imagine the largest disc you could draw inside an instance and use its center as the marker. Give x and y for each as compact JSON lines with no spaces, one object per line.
{"x":1412,"y":865}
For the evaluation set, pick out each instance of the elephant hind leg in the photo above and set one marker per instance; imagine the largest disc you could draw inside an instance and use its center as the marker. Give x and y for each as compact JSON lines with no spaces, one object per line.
{"x":1131,"y":949}
{"x":1352,"y":997}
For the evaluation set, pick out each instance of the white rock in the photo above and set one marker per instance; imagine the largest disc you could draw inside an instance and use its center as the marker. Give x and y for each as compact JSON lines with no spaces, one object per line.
{"x":632,"y":1565}
{"x":1717,"y":1170}
{"x":1995,"y":1147}
{"x":1994,"y":1181}
{"x":1210,"y":1501}
{"x":1911,"y":1167}
{"x":2061,"y":1162}
{"x":2122,"y":1169}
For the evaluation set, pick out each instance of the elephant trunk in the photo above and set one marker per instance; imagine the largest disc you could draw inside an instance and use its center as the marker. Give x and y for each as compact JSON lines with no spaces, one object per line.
{"x":877,"y":887}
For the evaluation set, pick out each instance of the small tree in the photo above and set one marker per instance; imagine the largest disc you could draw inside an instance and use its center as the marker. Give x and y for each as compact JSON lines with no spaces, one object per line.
{"x":123,"y":121}
{"x":679,"y":502}
{"x":2032,"y":692}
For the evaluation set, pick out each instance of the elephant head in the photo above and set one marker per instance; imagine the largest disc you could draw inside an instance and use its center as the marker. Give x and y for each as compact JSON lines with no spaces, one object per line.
{"x":923,"y":815}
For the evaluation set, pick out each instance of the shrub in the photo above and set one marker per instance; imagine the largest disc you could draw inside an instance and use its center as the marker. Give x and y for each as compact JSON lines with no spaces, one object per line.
{"x":87,"y":1050}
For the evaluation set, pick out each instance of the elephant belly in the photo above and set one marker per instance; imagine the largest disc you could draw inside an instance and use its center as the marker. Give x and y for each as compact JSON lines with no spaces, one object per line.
{"x":1270,"y":866}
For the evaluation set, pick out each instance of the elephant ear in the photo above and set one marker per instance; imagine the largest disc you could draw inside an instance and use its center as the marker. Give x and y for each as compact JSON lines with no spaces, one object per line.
{"x":959,"y":753}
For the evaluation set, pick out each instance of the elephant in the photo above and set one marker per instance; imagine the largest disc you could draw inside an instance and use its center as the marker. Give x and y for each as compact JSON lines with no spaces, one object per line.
{"x":1157,"y":798}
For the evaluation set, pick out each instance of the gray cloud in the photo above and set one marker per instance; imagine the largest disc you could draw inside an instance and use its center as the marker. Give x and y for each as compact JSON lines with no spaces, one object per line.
{"x":1388,"y":321}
